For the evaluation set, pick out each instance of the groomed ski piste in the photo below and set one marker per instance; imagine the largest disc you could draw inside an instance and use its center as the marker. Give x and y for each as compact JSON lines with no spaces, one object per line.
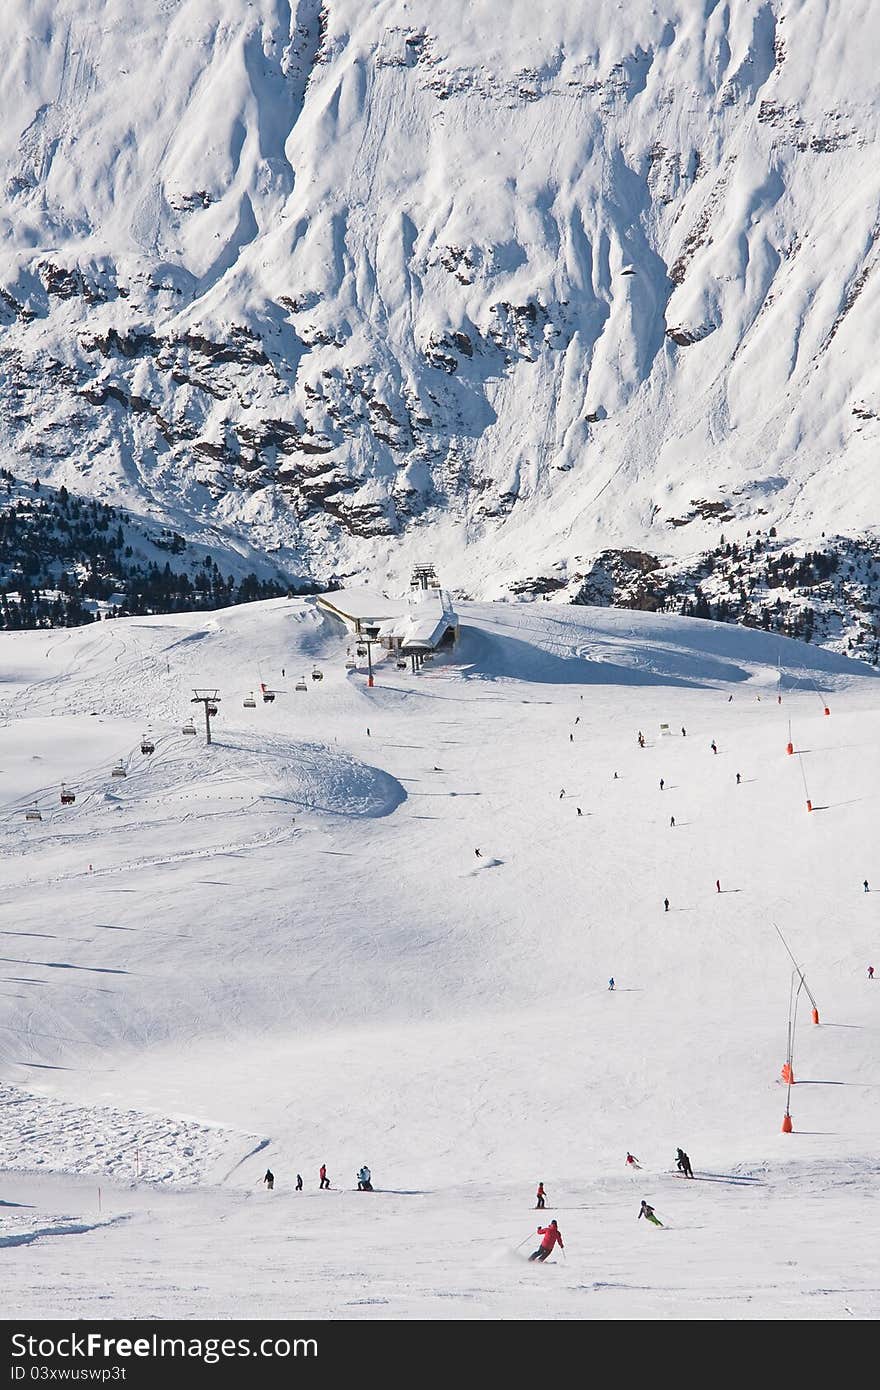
{"x":283,"y":951}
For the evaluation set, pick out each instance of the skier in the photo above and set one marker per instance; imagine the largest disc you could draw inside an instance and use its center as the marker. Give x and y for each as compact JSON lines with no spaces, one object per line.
{"x":579,"y":811}
{"x":269,"y":1179}
{"x":611,"y":983}
{"x":632,"y":1161}
{"x":325,"y":1181}
{"x":714,"y":746}
{"x":737,"y":779}
{"x":571,"y":738}
{"x":672,"y":820}
{"x":562,"y":794}
{"x":299,"y":1182}
{"x":641,"y":739}
{"x":683,"y":1163}
{"x":578,"y":720}
{"x":648,"y":1213}
{"x":364,"y":1179}
{"x":541,"y":1194}
{"x":282,"y":670}
{"x":730,"y":699}
{"x":870,"y":972}
{"x":550,"y":1236}
{"x":718,"y":885}
{"x":865,"y":885}
{"x":478,"y":854}
{"x":368,"y":731}
{"x":614,"y":777}
{"x":665,"y":904}
{"x":662,"y":783}
{"x":684,"y":731}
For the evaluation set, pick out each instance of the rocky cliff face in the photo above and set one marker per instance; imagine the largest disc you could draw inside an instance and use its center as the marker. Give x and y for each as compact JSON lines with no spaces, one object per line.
{"x":361,"y":282}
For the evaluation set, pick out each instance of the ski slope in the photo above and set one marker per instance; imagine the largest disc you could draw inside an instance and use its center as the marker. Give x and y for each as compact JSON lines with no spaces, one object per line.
{"x":283,"y":950}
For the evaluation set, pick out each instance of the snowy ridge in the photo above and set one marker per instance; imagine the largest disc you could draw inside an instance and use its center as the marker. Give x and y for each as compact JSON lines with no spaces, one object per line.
{"x":352,"y":281}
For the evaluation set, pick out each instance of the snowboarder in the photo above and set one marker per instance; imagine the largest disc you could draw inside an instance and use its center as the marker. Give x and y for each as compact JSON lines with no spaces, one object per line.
{"x":562,"y":794}
{"x":478,"y":854}
{"x":615,"y":777}
{"x":365,"y":1183}
{"x":714,"y":746}
{"x":611,"y":983}
{"x":325,"y":1181}
{"x":541,"y":1194}
{"x":865,"y":885}
{"x":737,"y":779}
{"x":683,"y":1163}
{"x":579,"y":811}
{"x":648,"y":1213}
{"x":665,"y":904}
{"x":632,"y":1161}
{"x":299,"y":1182}
{"x":718,"y":885}
{"x":870,"y":972}
{"x":269,"y":1179}
{"x":578,"y":720}
{"x":672,"y":820}
{"x":662,"y":783}
{"x":550,"y":1236}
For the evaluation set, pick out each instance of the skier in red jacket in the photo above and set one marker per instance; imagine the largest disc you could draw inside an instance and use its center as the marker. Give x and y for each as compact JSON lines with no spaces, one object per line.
{"x":325,"y":1181}
{"x":550,"y":1236}
{"x":541,"y":1195}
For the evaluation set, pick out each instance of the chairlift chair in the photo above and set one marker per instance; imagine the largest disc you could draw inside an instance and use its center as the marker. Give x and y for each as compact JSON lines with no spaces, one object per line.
{"x":350,"y":663}
{"x":212,"y":710}
{"x":401,"y":663}
{"x":119,"y":770}
{"x":147,"y":745}
{"x":268,"y":696}
{"x":189,"y":728}
{"x":317,"y":675}
{"x":301,"y":684}
{"x":67,"y":796}
{"x":361,"y":650}
{"x":33,"y":813}
{"x":249,"y":702}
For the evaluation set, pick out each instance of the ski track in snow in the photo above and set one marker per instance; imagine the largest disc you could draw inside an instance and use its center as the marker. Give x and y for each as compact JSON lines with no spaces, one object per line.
{"x":285,"y":951}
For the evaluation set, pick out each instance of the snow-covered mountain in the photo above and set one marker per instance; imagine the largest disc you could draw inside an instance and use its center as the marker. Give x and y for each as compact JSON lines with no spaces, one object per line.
{"x":511,"y":286}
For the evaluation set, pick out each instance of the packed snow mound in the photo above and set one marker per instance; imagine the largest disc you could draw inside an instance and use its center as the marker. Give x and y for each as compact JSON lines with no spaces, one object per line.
{"x":317,"y":274}
{"x":585,"y":646}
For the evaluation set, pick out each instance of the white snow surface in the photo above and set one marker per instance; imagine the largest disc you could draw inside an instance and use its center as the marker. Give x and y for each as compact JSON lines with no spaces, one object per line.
{"x":446,"y":251}
{"x":283,"y":950}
